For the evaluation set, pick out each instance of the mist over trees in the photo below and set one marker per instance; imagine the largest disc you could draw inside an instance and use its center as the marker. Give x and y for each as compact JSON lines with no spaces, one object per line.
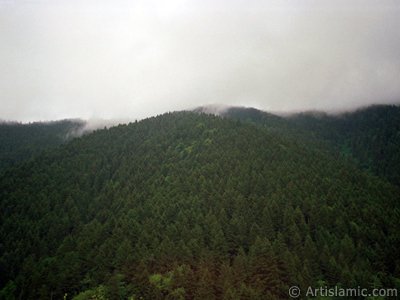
{"x":20,"y":141}
{"x":369,"y":136}
{"x":193,"y":206}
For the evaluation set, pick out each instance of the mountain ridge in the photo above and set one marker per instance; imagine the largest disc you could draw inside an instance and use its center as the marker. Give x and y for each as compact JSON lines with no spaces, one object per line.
{"x":173,"y":206}
{"x":370,"y":136}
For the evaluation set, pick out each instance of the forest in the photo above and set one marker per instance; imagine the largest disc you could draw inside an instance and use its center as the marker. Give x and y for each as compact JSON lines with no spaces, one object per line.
{"x":189,"y":205}
{"x":369,"y":136}
{"x":23,"y":141}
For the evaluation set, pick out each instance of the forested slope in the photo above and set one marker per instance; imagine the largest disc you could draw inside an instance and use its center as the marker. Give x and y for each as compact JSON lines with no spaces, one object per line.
{"x":192,"y":206}
{"x":22,"y":141}
{"x":370,"y":136}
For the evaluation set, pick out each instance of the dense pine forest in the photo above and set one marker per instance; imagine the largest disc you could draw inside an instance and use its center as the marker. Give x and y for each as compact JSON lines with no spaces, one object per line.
{"x":188,"y":205}
{"x":370,"y":136}
{"x":23,"y":141}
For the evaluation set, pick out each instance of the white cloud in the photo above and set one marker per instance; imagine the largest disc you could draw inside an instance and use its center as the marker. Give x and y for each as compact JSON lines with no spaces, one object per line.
{"x":130,"y":59}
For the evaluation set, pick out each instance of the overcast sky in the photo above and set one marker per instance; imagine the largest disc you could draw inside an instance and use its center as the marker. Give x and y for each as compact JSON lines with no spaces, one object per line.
{"x":132,"y":59}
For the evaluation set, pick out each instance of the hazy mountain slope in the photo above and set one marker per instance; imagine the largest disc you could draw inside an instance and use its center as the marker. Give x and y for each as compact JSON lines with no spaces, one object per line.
{"x":371,"y":136}
{"x":21,"y":141}
{"x":196,"y":207}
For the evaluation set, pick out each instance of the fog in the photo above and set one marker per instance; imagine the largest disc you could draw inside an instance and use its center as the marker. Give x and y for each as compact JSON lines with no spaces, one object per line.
{"x":133,"y":59}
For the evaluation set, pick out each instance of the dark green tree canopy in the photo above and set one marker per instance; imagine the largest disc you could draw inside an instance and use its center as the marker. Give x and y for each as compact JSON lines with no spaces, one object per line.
{"x":192,"y":206}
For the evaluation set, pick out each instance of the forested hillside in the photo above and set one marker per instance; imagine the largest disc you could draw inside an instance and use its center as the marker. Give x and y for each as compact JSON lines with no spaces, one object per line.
{"x":159,"y":194}
{"x":370,"y":136}
{"x":193,"y":206}
{"x":22,"y":141}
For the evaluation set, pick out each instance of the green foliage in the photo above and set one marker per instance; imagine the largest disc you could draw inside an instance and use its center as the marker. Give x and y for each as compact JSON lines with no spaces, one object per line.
{"x":161,"y":282}
{"x":19,"y":142}
{"x":369,"y":136}
{"x":8,"y":291}
{"x":98,"y":293}
{"x":191,"y":206}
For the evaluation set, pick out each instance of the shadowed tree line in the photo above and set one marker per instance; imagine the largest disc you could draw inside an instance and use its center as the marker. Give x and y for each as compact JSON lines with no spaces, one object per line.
{"x":192,"y":206}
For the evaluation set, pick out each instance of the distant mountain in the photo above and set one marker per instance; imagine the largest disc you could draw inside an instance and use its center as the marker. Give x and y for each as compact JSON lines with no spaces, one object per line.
{"x":370,"y":136}
{"x":22,"y":141}
{"x":194,"y":206}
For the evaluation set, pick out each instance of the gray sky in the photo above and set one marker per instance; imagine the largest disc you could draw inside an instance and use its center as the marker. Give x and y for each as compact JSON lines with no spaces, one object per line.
{"x":132,"y":59}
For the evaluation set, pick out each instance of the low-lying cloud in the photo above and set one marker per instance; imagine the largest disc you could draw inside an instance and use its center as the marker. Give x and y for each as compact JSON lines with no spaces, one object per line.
{"x":132,"y":59}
